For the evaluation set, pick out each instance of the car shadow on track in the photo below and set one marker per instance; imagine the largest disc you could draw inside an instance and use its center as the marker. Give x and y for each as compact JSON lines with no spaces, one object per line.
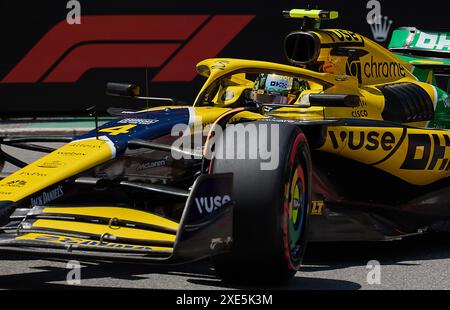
{"x":332,"y":256}
{"x":51,"y":274}
{"x":297,"y":283}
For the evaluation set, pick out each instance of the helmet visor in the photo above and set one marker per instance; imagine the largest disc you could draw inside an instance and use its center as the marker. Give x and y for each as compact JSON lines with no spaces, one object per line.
{"x":265,"y":98}
{"x":273,"y":89}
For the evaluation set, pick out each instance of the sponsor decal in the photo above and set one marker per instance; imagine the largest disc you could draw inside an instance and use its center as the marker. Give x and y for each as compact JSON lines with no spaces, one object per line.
{"x":220,"y":65}
{"x":77,"y":241}
{"x":383,"y":69}
{"x":357,"y":140}
{"x":215,"y":242}
{"x":433,"y":41}
{"x":344,"y":36}
{"x":373,"y":69}
{"x":360,"y":114}
{"x":138,"y":121}
{"x":15,"y":183}
{"x":401,"y":152}
{"x":85,"y":145}
{"x":279,"y":84}
{"x":151,"y":165}
{"x":446,"y":101}
{"x":212,"y":203}
{"x":71,"y":154}
{"x":52,"y":164}
{"x":47,"y":197}
{"x":353,"y":65}
{"x":317,"y":208}
{"x":329,"y":66}
{"x":33,"y":174}
{"x":427,"y":152}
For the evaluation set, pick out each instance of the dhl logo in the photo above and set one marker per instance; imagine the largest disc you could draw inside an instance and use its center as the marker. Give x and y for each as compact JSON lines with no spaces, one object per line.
{"x":402,"y":152}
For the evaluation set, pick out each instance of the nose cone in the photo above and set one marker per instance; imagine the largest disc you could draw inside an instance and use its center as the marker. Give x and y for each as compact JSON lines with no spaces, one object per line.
{"x":6,"y":209}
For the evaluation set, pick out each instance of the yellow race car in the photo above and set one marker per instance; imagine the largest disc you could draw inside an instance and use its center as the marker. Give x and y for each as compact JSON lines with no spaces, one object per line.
{"x":346,"y":143}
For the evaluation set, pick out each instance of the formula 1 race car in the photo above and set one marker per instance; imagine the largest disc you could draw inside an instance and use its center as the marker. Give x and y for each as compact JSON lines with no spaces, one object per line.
{"x":347,"y":143}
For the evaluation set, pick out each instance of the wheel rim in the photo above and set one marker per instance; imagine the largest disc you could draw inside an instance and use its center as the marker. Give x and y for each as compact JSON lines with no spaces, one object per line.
{"x":297,"y":209}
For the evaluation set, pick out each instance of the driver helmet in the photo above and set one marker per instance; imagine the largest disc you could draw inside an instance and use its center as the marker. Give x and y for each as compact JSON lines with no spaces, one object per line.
{"x":277,"y":89}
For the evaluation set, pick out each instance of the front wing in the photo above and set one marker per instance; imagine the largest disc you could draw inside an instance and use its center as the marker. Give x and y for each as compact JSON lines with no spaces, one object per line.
{"x":116,"y":233}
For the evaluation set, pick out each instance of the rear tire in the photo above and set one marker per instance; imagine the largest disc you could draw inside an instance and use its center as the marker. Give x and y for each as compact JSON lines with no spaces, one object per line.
{"x":271,"y":209}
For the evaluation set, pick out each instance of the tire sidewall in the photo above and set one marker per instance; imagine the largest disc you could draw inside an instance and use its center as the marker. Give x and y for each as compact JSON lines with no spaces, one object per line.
{"x":260,"y":241}
{"x":298,"y":161}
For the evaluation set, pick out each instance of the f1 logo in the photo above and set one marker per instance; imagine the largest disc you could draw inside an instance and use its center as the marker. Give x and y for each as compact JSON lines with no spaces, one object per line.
{"x":176,"y":43}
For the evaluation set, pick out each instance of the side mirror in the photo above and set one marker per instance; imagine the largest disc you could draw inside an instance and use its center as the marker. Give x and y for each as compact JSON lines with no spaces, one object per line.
{"x":132,"y":91}
{"x":334,"y":100}
{"x":122,"y":90}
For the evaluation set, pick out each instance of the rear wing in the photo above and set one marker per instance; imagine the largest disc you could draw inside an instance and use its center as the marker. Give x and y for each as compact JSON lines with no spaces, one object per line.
{"x":427,"y":51}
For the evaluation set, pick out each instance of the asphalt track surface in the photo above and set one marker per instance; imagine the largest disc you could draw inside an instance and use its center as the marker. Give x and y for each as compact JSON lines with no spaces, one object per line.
{"x":421,"y":262}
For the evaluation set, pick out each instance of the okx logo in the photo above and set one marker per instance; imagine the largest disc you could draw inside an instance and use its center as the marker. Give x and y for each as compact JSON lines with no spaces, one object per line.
{"x":173,"y":42}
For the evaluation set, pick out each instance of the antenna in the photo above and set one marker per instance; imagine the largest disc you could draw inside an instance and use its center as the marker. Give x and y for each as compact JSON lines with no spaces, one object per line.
{"x":146,"y":86}
{"x":93,"y":112}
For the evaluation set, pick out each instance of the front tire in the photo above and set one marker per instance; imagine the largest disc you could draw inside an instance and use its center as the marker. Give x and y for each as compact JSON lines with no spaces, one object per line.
{"x":271,"y":208}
